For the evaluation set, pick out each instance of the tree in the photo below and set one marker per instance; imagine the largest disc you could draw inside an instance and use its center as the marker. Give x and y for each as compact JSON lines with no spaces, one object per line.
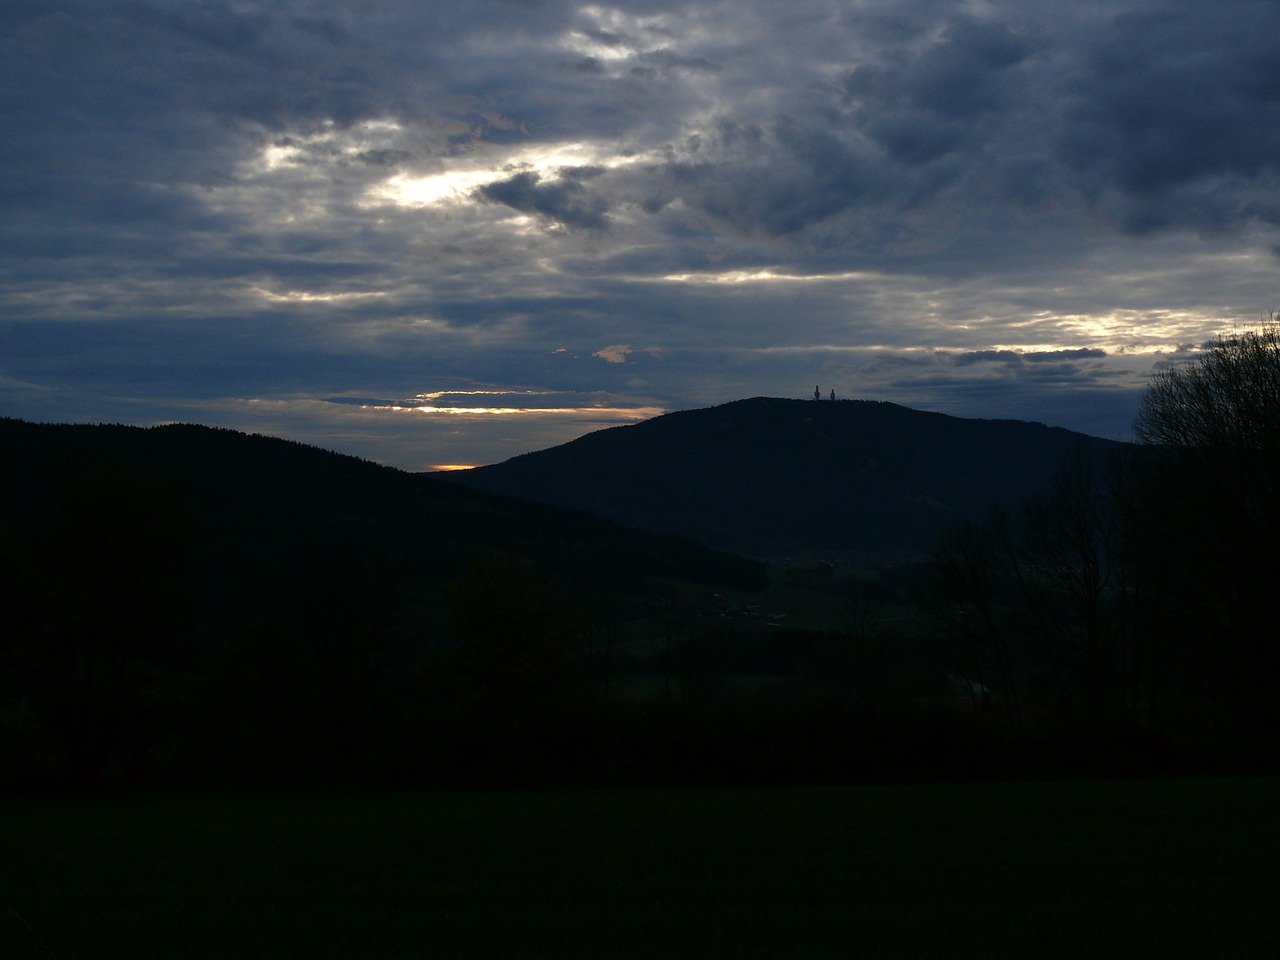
{"x":511,"y":692}
{"x":105,"y":594}
{"x":1214,"y":520}
{"x":342,"y":604}
{"x":971,"y":600}
{"x":1226,"y":400}
{"x":1068,"y":571}
{"x":1039,"y":598}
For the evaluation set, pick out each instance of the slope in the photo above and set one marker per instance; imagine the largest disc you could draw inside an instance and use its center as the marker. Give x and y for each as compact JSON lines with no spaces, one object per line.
{"x":260,"y":506}
{"x":771,"y":477}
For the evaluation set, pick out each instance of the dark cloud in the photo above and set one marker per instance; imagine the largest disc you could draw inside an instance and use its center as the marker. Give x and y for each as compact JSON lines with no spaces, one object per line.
{"x":565,"y":201}
{"x":384,"y":158}
{"x":327,"y":28}
{"x":1018,"y":357}
{"x":1177,"y":112}
{"x":981,"y":208}
{"x":1053,"y":356}
{"x":589,"y":65}
{"x":667,"y":61}
{"x":923,"y":104}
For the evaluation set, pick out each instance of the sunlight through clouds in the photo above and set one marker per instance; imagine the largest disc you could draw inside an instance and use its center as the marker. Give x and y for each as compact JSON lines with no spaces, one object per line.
{"x":458,"y":185}
{"x":329,"y":143}
{"x":948,"y":205}
{"x":1134,"y":331}
{"x":767,"y":275}
{"x":462,"y":403}
{"x":302,"y":296}
{"x":611,"y":34}
{"x":612,"y":413}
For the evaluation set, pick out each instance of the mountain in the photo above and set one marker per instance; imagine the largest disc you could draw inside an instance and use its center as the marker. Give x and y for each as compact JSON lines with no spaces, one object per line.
{"x":260,"y":511}
{"x":771,"y":477}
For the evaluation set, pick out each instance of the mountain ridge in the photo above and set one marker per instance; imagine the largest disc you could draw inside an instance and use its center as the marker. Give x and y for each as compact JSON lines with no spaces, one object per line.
{"x":264,"y":505}
{"x":767,"y":477}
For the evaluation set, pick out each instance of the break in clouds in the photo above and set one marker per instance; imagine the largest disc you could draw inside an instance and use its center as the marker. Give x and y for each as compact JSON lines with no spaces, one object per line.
{"x":507,"y":223}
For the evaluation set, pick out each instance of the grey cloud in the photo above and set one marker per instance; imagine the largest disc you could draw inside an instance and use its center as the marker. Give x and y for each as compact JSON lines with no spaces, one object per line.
{"x":952,"y":174}
{"x":963,"y":73}
{"x":566,"y":200}
{"x":924,"y":103}
{"x":1177,"y":111}
{"x":1017,"y":357}
{"x":384,"y":158}
{"x":666,"y":60}
{"x":1051,"y":356}
{"x":213,"y":22}
{"x":327,"y":28}
{"x":608,"y":38}
{"x":988,"y":356}
{"x":588,"y":65}
{"x":781,"y":179}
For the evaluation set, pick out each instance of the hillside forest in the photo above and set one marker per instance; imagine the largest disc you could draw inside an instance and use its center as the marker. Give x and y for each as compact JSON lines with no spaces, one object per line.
{"x":190,"y":608}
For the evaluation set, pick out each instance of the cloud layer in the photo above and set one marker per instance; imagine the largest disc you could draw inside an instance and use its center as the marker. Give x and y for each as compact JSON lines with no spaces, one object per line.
{"x":262,"y":214}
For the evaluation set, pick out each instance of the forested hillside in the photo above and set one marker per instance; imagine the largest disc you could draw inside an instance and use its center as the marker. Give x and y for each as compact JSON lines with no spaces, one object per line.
{"x":769,"y":477}
{"x":183,"y":598}
{"x":185,"y":606}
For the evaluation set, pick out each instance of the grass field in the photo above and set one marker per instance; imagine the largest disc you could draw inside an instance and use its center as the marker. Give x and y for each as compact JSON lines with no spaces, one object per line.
{"x":1081,"y":869}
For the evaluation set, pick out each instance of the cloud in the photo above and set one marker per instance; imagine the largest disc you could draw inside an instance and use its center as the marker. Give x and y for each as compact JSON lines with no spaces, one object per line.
{"x":1017,"y":357}
{"x":984,"y":208}
{"x":1176,"y":111}
{"x":565,"y":201}
{"x":615,"y":354}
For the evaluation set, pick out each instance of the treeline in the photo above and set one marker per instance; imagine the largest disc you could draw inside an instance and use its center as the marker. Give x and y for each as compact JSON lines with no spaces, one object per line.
{"x":351,"y":630}
{"x":1139,"y":591}
{"x":346,"y":665}
{"x":342,"y":663}
{"x":186,"y":605}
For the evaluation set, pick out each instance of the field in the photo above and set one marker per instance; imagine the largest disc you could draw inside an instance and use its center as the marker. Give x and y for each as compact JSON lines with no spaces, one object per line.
{"x":1098,"y":869}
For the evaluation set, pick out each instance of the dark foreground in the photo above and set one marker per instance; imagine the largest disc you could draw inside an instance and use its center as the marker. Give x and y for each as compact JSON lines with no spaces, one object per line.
{"x":1170,"y":868}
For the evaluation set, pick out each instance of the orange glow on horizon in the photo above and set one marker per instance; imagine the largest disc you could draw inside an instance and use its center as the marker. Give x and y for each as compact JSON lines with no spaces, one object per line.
{"x":451,"y":467}
{"x":621,"y":413}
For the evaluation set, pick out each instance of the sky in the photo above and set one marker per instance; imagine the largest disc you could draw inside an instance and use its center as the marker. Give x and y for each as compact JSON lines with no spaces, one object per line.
{"x":446,"y":233}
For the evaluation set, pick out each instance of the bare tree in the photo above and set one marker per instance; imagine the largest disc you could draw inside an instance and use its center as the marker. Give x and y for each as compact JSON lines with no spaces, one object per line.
{"x":1038,"y":596}
{"x":1214,"y":425}
{"x":972,"y":584}
{"x":1066,"y":571}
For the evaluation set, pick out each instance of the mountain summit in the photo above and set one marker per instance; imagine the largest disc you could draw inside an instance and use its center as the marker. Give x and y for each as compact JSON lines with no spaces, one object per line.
{"x":772,"y":477}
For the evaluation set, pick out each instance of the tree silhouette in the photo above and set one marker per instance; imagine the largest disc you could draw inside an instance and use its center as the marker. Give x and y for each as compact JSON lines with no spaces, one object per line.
{"x":1213,"y":524}
{"x":341,"y":605}
{"x":108,"y":575}
{"x":510,"y":689}
{"x":972,"y":602}
{"x":1069,"y":572}
{"x":1041,"y":596}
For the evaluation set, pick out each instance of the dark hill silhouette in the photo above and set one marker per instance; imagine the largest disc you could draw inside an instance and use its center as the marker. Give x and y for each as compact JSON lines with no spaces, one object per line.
{"x":261,"y":505}
{"x":772,"y":477}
